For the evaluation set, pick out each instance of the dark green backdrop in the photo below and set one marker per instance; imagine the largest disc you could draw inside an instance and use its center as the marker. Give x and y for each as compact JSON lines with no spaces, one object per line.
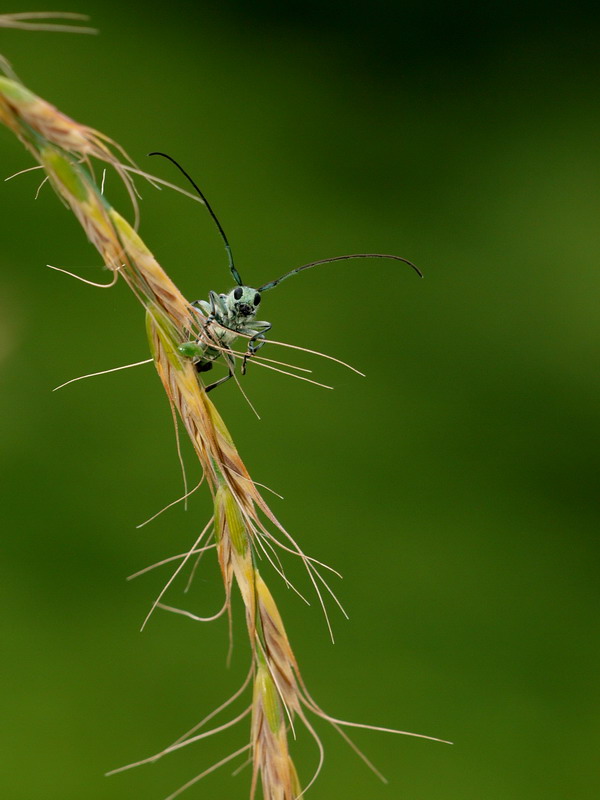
{"x":455,"y":488}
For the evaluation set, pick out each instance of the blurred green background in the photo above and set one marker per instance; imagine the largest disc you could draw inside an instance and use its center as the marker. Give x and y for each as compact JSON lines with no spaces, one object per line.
{"x":456,"y":487}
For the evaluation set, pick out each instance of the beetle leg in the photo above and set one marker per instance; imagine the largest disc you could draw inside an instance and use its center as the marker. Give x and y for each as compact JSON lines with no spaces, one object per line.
{"x":230,"y":365}
{"x":220,"y":381}
{"x":256,"y":342}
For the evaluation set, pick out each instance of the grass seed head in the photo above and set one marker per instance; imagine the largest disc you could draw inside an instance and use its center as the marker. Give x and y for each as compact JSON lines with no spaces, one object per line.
{"x":64,"y":148}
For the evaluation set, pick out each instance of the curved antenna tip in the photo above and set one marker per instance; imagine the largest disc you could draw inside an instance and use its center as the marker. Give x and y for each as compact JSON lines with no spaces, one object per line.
{"x":265,"y":287}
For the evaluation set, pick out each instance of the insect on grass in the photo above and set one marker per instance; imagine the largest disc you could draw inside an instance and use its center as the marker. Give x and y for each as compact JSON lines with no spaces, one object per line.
{"x":233,"y":314}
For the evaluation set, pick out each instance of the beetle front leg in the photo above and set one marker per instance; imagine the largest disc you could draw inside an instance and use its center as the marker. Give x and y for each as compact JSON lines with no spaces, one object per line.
{"x":217,"y":308}
{"x":256,"y":342}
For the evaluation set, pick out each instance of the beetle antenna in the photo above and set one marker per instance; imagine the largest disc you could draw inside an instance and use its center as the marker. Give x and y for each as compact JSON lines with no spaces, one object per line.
{"x":271,"y":284}
{"x":234,"y":272}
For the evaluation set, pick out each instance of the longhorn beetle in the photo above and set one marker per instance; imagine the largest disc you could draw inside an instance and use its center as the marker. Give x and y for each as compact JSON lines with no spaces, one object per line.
{"x":235,"y":311}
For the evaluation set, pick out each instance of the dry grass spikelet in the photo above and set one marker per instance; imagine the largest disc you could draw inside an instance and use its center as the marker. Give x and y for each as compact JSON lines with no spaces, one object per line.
{"x":44,"y":21}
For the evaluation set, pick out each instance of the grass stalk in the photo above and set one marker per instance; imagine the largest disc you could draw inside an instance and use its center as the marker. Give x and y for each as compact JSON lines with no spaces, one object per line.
{"x":243,"y":523}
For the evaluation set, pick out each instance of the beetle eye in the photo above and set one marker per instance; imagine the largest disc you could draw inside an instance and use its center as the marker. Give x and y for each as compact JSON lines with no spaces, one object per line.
{"x":238,"y":293}
{"x":256,"y":299}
